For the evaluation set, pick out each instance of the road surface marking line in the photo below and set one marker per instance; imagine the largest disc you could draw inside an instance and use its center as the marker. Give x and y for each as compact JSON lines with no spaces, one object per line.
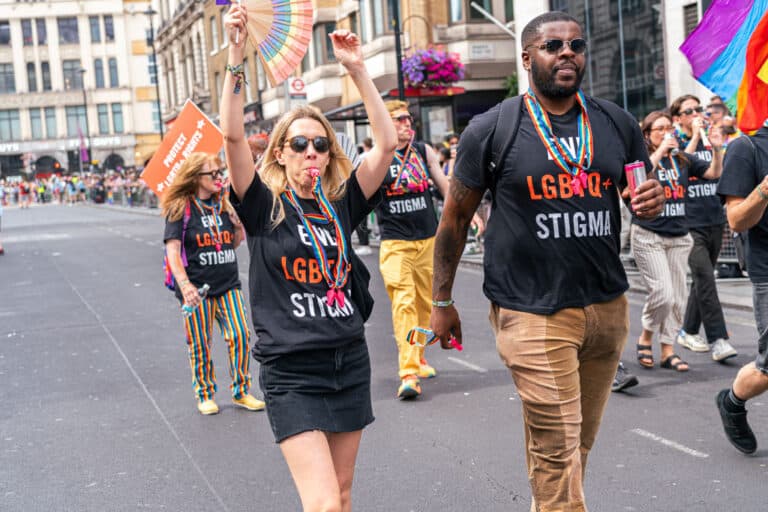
{"x":144,"y":388}
{"x":471,"y":366}
{"x":670,"y":443}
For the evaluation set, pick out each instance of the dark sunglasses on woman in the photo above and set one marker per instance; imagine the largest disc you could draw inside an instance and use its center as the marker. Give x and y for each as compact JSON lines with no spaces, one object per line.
{"x":218,"y":173}
{"x":300,"y":143}
{"x":690,"y":111}
{"x":554,"y":46}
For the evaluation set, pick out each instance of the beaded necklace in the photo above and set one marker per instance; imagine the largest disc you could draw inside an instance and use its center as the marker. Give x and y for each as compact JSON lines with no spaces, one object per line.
{"x":337,"y":278}
{"x":215,"y":230}
{"x":575,"y":165}
{"x":413,"y":173}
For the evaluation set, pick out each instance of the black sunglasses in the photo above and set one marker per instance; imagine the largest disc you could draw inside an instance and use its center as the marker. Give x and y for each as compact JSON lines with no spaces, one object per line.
{"x":404,"y":117}
{"x":555,"y":45}
{"x":300,"y":143}
{"x":690,"y":111}
{"x":214,"y":174}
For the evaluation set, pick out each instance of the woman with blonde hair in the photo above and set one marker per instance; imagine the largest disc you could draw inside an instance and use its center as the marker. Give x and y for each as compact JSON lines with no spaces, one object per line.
{"x":201,"y":235}
{"x":299,"y":212}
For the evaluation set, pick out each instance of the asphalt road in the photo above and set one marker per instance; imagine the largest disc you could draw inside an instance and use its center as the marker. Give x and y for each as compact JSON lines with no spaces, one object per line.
{"x":97,"y":411}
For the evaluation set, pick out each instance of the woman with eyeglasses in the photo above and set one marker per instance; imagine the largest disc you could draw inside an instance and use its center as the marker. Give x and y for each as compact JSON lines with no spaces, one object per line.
{"x":299,"y":212}
{"x":201,"y":235}
{"x":661,"y":245}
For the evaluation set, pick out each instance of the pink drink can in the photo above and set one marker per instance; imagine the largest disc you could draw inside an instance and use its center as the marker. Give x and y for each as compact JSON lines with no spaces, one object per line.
{"x":636,"y":175}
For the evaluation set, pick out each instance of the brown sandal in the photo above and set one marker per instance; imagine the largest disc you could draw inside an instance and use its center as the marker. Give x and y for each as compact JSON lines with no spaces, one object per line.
{"x":645,"y":360}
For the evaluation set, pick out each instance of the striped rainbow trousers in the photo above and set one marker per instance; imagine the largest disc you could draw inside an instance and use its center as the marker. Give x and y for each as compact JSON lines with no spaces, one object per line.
{"x":229,"y":311}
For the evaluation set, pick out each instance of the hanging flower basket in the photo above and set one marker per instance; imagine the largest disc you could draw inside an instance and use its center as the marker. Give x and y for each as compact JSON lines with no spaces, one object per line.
{"x":432,"y":68}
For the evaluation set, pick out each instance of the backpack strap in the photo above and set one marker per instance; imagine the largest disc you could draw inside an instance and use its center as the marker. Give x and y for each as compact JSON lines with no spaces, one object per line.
{"x":187,"y":216}
{"x":504,"y":134}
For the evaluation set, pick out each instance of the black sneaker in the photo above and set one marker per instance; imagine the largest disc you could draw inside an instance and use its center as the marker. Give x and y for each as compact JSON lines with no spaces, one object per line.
{"x":623,"y":379}
{"x":736,"y":427}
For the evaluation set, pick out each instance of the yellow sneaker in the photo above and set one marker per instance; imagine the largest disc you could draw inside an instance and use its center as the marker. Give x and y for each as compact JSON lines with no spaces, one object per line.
{"x":207,"y":407}
{"x":249,"y":402}
{"x":425,"y":370}
{"x":409,"y":388}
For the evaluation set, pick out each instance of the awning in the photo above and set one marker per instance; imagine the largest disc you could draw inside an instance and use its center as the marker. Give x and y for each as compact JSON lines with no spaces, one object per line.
{"x":353,"y":112}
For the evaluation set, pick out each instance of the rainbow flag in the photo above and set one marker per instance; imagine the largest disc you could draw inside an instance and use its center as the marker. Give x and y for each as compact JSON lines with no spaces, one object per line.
{"x":717,"y":51}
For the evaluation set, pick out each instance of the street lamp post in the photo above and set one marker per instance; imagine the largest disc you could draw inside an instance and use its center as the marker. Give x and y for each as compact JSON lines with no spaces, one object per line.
{"x":151,"y":41}
{"x":395,"y":9}
{"x":82,"y":72}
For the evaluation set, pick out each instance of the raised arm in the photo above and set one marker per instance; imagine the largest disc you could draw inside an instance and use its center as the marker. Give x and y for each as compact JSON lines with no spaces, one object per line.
{"x":436,"y":173}
{"x":716,"y":167}
{"x":460,"y":205}
{"x":370,"y":175}
{"x":238,"y":154}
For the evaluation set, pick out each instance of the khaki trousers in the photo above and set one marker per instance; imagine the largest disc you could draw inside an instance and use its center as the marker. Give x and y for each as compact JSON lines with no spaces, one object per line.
{"x":563,"y":365}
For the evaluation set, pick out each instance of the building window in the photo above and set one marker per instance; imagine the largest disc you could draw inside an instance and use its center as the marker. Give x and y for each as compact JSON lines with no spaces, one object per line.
{"x":5,"y":32}
{"x":7,"y":80}
{"x":98,"y":73}
{"x":26,"y":32}
{"x":45,"y":75}
{"x":323,"y":49}
{"x":103,"y":115}
{"x":93,"y":21}
{"x":455,"y":8}
{"x":113,"y":82}
{"x":10,"y":125}
{"x":42,"y":32}
{"x":68,"y":31}
{"x":152,"y":68}
{"x":365,"y":32}
{"x":214,"y":34}
{"x":378,"y":17}
{"x":109,"y":28}
{"x":31,"y":77}
{"x":224,"y":38}
{"x":474,"y":14}
{"x":50,"y":122}
{"x":155,"y":116}
{"x":690,"y":18}
{"x":73,"y":79}
{"x":509,"y":10}
{"x":117,"y":117}
{"x":75,"y":120}
{"x":36,"y":123}
{"x":217,"y":83}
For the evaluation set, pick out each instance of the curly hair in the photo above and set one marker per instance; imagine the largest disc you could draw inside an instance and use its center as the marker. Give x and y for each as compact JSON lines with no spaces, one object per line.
{"x":273,"y":174}
{"x":185,"y":185}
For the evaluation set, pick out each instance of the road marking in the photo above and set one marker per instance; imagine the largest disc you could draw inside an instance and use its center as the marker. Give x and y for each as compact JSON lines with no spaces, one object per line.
{"x":43,"y":237}
{"x":670,"y":443}
{"x":144,"y":388}
{"x":471,"y":366}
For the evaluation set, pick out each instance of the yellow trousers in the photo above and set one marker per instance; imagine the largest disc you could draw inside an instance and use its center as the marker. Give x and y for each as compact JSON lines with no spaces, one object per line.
{"x":406,"y":267}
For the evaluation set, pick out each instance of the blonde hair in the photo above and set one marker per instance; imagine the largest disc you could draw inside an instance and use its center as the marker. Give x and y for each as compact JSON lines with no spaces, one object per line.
{"x":273,"y":175}
{"x":395,"y":105}
{"x":185,"y":185}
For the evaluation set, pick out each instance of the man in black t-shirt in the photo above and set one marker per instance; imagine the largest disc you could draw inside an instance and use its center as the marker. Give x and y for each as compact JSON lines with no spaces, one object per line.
{"x":706,"y":219}
{"x":744,"y":184}
{"x":552,"y":267}
{"x":407,"y":224}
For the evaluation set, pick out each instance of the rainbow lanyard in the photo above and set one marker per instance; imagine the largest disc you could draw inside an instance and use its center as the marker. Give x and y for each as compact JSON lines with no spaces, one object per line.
{"x":577,"y":165}
{"x":214,"y":231}
{"x":327,"y":216}
{"x":672,"y":181}
{"x":413,"y":173}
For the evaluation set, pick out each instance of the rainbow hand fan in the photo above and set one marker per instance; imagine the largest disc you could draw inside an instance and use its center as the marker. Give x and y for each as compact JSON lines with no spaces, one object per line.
{"x":281,"y":30}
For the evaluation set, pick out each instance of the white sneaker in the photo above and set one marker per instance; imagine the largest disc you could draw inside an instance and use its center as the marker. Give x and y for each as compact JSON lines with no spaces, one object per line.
{"x":691,"y":342}
{"x":722,"y":350}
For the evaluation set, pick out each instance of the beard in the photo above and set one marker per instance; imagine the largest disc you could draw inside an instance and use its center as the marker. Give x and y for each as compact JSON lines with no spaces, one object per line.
{"x":545,"y":82}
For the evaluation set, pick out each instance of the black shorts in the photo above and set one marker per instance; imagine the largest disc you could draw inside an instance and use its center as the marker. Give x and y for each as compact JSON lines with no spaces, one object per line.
{"x":326,"y":389}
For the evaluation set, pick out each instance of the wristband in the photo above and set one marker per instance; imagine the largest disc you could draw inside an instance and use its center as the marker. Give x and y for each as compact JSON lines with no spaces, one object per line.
{"x":447,"y":302}
{"x":183,"y":283}
{"x":760,"y":192}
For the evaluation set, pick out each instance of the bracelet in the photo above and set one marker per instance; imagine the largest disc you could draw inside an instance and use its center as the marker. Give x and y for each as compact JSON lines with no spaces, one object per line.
{"x":442,"y":303}
{"x":238,"y":73}
{"x":183,"y":283}
{"x":762,"y":194}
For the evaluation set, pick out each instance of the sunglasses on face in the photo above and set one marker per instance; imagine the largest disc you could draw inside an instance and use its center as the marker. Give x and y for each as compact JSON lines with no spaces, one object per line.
{"x":668,"y":128}
{"x":300,"y":143}
{"x":403,"y":118}
{"x":218,"y":173}
{"x":554,"y":46}
{"x":690,"y":111}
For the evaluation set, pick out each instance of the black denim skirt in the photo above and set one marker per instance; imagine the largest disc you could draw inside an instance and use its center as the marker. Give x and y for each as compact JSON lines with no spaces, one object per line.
{"x":326,"y":389}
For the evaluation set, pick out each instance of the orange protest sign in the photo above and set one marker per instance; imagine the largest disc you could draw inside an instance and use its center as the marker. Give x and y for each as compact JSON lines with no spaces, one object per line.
{"x":191,"y":131}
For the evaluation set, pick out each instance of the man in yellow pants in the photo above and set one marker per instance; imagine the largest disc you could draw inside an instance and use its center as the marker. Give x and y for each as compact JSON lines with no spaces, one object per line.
{"x":407,"y":223}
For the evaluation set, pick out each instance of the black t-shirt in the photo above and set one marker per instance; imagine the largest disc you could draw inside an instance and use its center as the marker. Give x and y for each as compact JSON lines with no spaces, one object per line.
{"x":703,"y":207}
{"x":206,"y":265}
{"x":546,"y":249}
{"x":673,"y":220}
{"x":406,"y":214}
{"x":744,"y":168}
{"x":287,"y":289}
